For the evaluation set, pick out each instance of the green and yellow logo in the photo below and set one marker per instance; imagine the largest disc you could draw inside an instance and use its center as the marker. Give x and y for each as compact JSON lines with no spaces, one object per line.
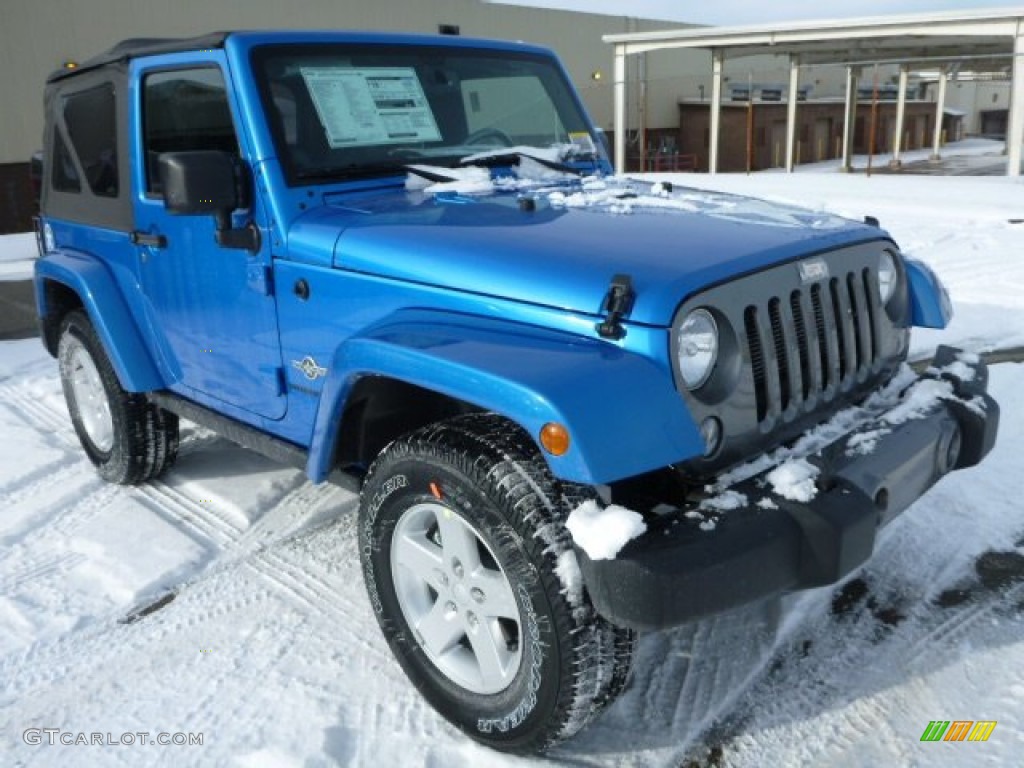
{"x":958,"y":730}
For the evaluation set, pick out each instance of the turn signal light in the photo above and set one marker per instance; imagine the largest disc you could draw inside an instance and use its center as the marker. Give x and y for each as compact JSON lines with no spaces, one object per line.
{"x":555,"y":439}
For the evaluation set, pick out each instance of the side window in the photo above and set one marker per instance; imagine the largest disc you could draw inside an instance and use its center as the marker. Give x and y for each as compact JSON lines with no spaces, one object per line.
{"x":65,"y":177}
{"x":184,"y":110}
{"x":90,"y":119}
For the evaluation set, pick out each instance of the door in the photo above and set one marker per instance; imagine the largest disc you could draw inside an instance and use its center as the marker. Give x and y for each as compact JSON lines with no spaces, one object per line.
{"x":822,"y":138}
{"x":778,"y":143}
{"x":211,"y":309}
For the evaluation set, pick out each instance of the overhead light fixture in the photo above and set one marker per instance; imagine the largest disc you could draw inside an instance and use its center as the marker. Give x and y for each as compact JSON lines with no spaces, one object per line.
{"x":69,"y":64}
{"x":596,"y":75}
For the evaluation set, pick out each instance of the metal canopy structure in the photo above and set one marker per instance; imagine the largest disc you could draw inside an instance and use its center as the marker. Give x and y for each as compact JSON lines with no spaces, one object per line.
{"x":982,"y":39}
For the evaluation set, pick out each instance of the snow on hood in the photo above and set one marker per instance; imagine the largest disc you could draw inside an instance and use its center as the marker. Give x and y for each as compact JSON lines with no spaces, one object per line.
{"x":472,"y":232}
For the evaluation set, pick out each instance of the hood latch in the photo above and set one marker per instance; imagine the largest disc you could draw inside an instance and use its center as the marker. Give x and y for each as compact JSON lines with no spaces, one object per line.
{"x":617,"y":303}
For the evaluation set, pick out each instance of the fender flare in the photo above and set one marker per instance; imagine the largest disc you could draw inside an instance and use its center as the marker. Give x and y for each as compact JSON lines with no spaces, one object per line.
{"x":929,"y":300}
{"x":90,"y":279}
{"x":531,"y":376}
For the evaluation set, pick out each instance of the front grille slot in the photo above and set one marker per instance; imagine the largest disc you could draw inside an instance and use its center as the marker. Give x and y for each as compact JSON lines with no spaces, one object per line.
{"x":839,"y":311}
{"x":781,"y":357}
{"x":810,"y":346}
{"x":802,"y":342}
{"x":756,"y":361}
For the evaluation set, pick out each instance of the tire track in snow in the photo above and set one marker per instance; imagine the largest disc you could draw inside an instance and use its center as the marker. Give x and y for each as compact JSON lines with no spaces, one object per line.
{"x":36,"y":567}
{"x":78,"y":653}
{"x":961,"y":622}
{"x":299,"y":510}
{"x":24,"y":404}
{"x":311,"y":588}
{"x":203,"y":520}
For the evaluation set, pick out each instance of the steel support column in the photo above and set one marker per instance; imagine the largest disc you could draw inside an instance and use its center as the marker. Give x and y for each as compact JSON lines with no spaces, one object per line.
{"x":794,"y":85}
{"x":901,"y":112}
{"x":1015,"y":128}
{"x":717,"y":64}
{"x":619,"y":77}
{"x":940,"y":110}
{"x":849,"y":118}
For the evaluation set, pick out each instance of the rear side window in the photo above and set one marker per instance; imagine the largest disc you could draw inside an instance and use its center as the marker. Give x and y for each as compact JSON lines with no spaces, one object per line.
{"x":65,"y":175}
{"x":185,"y":110}
{"x":90,"y":120}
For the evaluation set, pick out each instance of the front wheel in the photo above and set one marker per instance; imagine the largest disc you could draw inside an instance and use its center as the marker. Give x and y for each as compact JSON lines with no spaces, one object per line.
{"x":473,"y":580}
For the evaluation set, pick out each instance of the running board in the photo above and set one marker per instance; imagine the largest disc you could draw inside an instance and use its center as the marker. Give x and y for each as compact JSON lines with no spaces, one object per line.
{"x":274,"y":448}
{"x":236,"y":431}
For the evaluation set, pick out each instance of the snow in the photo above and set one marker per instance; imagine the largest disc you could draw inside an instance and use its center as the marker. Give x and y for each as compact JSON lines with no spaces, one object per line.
{"x":602,"y":531}
{"x":568,"y":572}
{"x":271,"y":650}
{"x":17,"y":252}
{"x":794,"y":480}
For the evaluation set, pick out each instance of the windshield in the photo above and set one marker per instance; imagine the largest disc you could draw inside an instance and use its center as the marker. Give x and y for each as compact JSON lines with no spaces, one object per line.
{"x":341,"y":112}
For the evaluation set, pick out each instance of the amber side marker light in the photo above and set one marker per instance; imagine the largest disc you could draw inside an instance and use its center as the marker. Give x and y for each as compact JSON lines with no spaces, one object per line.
{"x":555,"y":439}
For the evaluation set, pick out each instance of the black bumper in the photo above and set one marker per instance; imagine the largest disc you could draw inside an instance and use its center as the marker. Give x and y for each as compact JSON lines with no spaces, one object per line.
{"x":676,"y":571}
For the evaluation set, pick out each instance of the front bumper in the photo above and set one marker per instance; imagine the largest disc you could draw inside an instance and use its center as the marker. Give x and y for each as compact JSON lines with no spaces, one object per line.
{"x":678,"y":571}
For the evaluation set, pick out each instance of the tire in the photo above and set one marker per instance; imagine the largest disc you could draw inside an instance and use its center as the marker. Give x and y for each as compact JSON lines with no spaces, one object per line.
{"x":127,"y":438}
{"x":462,"y":541}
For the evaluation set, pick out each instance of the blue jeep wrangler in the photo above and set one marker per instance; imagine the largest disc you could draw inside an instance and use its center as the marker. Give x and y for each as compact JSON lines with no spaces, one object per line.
{"x":404,"y":264}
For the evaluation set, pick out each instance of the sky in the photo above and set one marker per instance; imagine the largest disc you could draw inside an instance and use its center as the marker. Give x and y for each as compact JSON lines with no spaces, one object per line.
{"x":733,"y":12}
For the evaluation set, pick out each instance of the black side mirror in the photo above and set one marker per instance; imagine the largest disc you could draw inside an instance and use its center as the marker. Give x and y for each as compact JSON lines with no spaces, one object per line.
{"x":199,"y":182}
{"x":208,"y":181}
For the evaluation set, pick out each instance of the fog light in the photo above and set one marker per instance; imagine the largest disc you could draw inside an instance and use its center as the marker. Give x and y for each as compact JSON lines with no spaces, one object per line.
{"x":952,"y":453}
{"x":555,"y":439}
{"x":711,"y":431}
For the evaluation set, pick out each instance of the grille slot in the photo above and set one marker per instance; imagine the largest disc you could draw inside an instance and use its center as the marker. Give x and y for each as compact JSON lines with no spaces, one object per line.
{"x":810,"y":346}
{"x":756,"y":360}
{"x":802,"y":342}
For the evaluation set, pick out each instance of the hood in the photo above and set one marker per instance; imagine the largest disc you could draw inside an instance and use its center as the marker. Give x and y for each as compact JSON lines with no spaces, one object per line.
{"x":561,"y":245}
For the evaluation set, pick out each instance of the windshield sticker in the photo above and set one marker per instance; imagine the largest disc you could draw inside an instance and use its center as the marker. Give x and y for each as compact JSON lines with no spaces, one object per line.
{"x":357,"y":107}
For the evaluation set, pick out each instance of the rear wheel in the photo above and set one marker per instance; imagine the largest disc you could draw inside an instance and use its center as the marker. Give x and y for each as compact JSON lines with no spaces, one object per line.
{"x":471,"y":573}
{"x":126,"y":437}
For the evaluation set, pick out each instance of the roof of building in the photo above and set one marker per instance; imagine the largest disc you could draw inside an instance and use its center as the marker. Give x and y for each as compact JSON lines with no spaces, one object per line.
{"x":870,"y":39}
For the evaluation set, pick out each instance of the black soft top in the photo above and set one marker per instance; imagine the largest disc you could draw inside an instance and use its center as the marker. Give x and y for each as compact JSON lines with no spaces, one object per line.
{"x":142,"y":46}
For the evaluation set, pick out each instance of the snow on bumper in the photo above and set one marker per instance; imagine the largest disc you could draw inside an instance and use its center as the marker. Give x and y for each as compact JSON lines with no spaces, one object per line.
{"x":769,"y":540}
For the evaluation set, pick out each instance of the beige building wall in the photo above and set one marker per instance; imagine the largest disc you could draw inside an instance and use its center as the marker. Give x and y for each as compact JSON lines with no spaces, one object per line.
{"x":974,"y":97}
{"x":36,"y":36}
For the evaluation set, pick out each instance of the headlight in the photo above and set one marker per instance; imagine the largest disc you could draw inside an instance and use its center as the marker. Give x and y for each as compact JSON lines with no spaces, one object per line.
{"x":697,"y":347}
{"x":888,"y":276}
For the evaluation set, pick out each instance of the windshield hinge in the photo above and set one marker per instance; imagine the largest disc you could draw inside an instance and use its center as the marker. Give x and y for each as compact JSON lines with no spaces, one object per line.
{"x":618,"y":303}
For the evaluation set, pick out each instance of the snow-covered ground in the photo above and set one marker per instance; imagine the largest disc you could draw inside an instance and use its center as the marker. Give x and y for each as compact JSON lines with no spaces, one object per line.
{"x":16,"y":254}
{"x":270,"y":651}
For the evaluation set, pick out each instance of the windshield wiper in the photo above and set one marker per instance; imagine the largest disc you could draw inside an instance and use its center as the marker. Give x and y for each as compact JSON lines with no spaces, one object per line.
{"x":502,"y":157}
{"x":351,"y":171}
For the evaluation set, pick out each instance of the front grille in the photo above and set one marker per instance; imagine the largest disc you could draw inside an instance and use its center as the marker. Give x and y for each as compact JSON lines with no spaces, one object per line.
{"x":813,"y":343}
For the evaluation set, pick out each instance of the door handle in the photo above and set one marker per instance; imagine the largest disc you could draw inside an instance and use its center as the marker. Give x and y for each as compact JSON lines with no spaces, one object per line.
{"x":144,"y":238}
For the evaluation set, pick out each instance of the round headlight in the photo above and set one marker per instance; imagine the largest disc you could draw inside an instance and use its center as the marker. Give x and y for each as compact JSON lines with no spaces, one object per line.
{"x":887,"y":276}
{"x":697,"y":347}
